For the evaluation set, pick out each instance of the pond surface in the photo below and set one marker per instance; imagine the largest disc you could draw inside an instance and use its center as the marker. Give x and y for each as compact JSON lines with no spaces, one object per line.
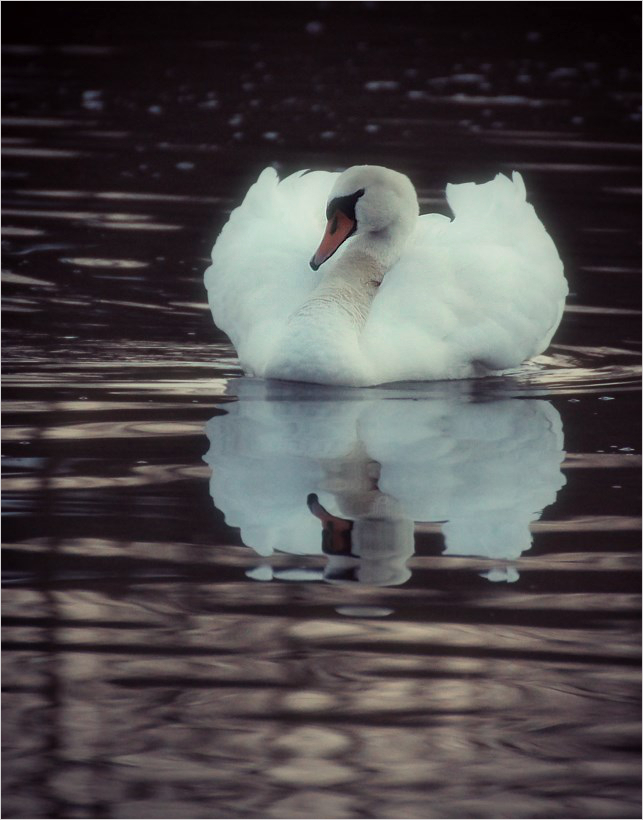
{"x":230,"y":598}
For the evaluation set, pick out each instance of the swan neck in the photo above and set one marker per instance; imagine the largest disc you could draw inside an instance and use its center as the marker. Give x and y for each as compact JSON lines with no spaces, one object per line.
{"x":350,"y":285}
{"x":385,"y":246}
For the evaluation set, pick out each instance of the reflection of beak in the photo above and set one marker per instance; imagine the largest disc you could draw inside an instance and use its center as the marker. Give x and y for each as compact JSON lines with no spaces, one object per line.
{"x":338,"y":229}
{"x":336,"y":534}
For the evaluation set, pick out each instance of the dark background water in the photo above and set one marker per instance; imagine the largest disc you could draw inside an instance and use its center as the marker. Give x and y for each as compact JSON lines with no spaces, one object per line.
{"x":147,"y":672}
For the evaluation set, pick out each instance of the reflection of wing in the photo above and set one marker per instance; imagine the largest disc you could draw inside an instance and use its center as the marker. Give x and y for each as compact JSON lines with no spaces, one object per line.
{"x":487,"y":469}
{"x":267,"y":457}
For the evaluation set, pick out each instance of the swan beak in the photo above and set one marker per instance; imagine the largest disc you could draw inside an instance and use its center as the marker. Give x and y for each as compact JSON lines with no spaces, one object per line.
{"x":338,"y":229}
{"x":336,"y":537}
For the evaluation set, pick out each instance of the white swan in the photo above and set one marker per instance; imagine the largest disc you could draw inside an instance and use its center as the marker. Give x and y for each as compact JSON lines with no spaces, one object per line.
{"x":403,"y":298}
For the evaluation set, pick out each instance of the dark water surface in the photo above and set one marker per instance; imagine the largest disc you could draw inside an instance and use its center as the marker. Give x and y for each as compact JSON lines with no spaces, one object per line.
{"x":182,"y":637}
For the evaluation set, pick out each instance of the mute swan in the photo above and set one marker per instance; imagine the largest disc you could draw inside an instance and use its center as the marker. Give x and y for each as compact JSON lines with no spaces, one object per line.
{"x":392,"y":296}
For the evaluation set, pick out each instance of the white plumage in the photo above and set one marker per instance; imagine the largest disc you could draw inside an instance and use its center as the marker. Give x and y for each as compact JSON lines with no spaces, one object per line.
{"x":405,"y":298}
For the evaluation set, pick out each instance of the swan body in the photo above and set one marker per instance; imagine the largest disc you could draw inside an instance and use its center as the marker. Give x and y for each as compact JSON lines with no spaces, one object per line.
{"x":392,"y":296}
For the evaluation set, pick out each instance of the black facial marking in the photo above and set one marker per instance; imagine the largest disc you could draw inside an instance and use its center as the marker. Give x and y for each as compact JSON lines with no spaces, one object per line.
{"x":345,"y":204}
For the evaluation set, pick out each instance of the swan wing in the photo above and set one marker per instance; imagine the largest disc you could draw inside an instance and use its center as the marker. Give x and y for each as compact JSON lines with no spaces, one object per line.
{"x":260,"y":272}
{"x":484,"y":289}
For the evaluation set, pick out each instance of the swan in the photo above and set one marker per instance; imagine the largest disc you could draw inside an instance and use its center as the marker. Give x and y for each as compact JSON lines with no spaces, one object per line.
{"x":388,"y":295}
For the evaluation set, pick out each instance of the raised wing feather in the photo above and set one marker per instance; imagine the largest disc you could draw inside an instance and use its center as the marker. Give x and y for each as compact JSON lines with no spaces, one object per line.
{"x":484,"y":289}
{"x":260,"y":273}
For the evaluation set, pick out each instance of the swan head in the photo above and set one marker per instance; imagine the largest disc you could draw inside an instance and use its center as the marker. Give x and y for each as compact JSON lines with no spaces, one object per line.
{"x":377,"y":203}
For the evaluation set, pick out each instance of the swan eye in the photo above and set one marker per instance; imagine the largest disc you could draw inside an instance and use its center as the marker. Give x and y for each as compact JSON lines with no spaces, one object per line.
{"x":345,"y":204}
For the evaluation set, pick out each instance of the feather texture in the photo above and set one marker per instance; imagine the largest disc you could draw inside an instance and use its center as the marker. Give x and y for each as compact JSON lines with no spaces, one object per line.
{"x":477,"y":294}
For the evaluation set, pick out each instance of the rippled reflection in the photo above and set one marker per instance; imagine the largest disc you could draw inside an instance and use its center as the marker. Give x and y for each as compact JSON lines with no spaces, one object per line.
{"x":306,"y":469}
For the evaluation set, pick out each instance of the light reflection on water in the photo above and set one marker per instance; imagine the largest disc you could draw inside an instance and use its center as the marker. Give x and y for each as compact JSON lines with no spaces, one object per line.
{"x":160,"y":659}
{"x":181,"y":681}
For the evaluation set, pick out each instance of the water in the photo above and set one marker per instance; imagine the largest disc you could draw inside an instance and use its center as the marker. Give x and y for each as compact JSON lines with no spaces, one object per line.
{"x":226,"y":598}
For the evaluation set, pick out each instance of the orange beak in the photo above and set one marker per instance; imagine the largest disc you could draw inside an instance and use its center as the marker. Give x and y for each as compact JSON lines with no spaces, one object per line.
{"x":338,"y":229}
{"x":336,"y":532}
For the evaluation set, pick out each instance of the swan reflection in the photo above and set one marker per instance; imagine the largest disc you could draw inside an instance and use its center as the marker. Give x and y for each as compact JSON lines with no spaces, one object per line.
{"x":307,"y":469}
